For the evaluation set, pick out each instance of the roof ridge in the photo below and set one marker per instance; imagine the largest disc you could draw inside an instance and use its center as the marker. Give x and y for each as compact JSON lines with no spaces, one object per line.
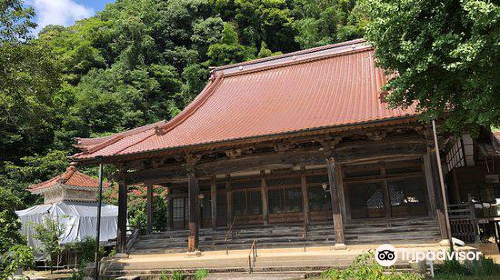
{"x":300,"y":52}
{"x":123,"y":133}
{"x":303,"y":61}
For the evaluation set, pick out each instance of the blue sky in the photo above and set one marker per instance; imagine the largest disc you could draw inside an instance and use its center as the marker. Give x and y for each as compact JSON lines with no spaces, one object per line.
{"x":64,"y":12}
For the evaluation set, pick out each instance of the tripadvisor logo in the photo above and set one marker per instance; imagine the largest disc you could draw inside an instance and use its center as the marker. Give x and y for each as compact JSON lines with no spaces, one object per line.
{"x":386,"y":255}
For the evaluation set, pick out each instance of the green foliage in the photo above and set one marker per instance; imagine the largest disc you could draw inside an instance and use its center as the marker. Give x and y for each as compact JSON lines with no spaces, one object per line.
{"x":201,"y":274}
{"x":164,"y":276}
{"x":85,"y":249}
{"x":79,"y":273}
{"x":18,"y":256}
{"x":15,"y":21}
{"x":479,"y":268}
{"x":365,"y":267}
{"x":446,"y":56}
{"x":327,"y":21}
{"x":137,"y":199}
{"x":9,"y":231}
{"x":177,"y":275}
{"x":229,"y":50}
{"x":48,"y":233}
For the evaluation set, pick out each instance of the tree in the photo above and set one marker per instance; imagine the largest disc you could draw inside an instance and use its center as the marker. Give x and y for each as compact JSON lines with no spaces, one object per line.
{"x":18,"y":256}
{"x":16,"y":21}
{"x":48,"y":233}
{"x":445,"y":55}
{"x":9,"y":231}
{"x":229,"y":50}
{"x":326,"y":21}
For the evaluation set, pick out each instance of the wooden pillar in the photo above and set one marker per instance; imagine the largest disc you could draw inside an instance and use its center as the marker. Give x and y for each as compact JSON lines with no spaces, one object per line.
{"x":213,"y":202}
{"x":170,"y":212}
{"x":337,"y":215}
{"x":387,"y":196}
{"x":431,"y":193}
{"x":121,"y":236}
{"x":194,"y":215}
{"x":437,"y":194}
{"x":305,"y":196}
{"x":149,"y":206}
{"x":229,"y":196}
{"x":263,"y":192}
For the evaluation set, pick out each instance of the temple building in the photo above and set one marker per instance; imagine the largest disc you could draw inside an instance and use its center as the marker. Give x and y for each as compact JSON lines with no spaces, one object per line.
{"x":299,"y":147}
{"x":71,"y":200}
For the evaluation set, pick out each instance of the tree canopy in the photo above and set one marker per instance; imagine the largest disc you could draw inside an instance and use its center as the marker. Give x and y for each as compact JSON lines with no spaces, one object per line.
{"x":446,"y":55}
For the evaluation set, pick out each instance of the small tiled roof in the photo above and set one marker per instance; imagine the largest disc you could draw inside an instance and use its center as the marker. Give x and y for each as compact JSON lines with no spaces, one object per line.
{"x":72,"y":177}
{"x":335,"y":86}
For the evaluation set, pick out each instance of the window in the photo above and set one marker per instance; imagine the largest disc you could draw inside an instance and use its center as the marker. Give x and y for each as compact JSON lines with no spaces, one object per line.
{"x":285,"y":200}
{"x":455,"y":155}
{"x":407,"y":197}
{"x":395,"y":184}
{"x":180,"y":212}
{"x":367,"y":200}
{"x":319,"y":199}
{"x":247,"y":202}
{"x":206,"y":207}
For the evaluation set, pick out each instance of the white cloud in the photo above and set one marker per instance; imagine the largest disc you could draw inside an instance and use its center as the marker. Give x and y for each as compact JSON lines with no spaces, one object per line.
{"x":60,"y":12}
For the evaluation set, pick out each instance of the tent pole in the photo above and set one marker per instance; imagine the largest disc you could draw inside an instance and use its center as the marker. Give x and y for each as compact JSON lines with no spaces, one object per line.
{"x":441,"y":181}
{"x":98,"y":228}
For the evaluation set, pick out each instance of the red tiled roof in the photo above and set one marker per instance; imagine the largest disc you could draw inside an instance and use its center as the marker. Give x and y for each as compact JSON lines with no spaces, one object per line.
{"x":330,"y":86}
{"x":72,"y":177}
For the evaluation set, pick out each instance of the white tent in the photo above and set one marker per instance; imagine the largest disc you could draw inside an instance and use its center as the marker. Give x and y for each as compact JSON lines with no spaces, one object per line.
{"x":79,"y":220}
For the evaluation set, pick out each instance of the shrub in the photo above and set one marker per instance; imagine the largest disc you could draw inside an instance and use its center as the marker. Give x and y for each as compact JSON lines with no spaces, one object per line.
{"x":49,"y":232}
{"x":453,"y":268}
{"x":365,"y":267}
{"x":200,"y":274}
{"x":177,"y":275}
{"x":18,"y":256}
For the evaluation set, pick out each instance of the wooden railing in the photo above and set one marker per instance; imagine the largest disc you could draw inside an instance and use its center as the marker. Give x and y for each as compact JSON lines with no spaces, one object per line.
{"x":463,"y":222}
{"x":252,"y":256}
{"x":229,"y":233}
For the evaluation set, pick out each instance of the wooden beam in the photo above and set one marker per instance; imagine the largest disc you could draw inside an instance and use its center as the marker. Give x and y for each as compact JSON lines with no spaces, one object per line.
{"x":337,"y":215}
{"x":431,"y":193}
{"x":213,"y":202}
{"x":341,"y":191}
{"x":149,"y":206}
{"x":345,"y":153}
{"x":121,"y":241}
{"x":263,"y":192}
{"x":170,"y":213}
{"x":194,"y":215}
{"x":305,"y":196}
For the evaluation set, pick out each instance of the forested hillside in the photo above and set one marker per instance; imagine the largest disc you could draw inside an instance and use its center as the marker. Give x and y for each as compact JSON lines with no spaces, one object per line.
{"x":137,"y":62}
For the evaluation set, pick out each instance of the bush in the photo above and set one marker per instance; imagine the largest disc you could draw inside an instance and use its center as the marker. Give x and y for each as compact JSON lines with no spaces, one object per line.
{"x":49,"y":232}
{"x":453,"y":268}
{"x":18,"y":256}
{"x":200,"y":274}
{"x":365,"y":267}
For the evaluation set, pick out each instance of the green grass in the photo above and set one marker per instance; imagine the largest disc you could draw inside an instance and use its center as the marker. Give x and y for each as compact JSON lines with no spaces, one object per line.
{"x":466,"y":277}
